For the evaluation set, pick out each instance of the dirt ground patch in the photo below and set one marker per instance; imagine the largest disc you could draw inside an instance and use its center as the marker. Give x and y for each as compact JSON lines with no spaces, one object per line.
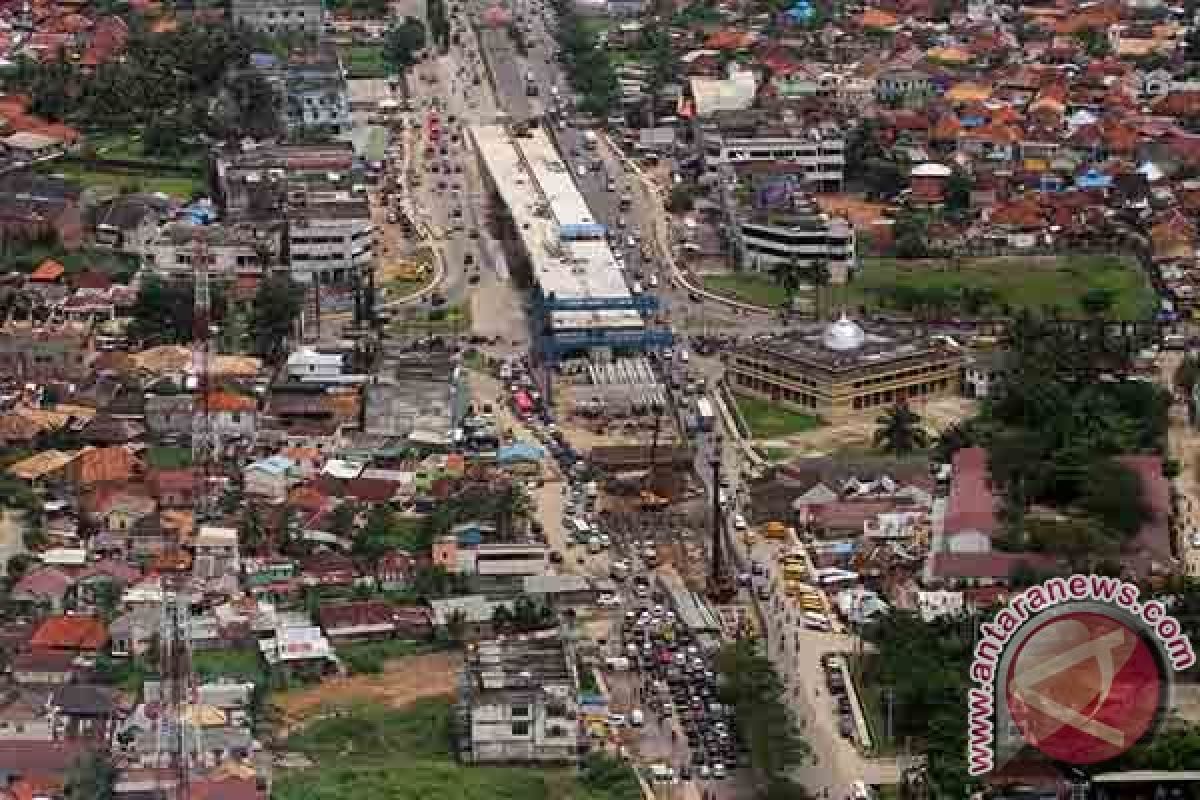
{"x":936,"y":416}
{"x":861,"y":213}
{"x":403,"y":681}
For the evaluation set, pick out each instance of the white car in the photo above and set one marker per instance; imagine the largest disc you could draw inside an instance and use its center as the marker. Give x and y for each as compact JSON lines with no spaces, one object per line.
{"x":616,"y":720}
{"x":718,"y":772}
{"x":739,"y":522}
{"x":608,"y":600}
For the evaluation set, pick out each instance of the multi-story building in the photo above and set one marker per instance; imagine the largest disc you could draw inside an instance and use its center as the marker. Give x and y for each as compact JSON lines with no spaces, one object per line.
{"x":518,"y":695}
{"x":329,"y":241}
{"x":764,"y":238}
{"x":315,"y":194}
{"x":312,"y":88}
{"x":231,"y":249}
{"x":815,"y":157}
{"x":842,"y":371}
{"x":278,"y":16}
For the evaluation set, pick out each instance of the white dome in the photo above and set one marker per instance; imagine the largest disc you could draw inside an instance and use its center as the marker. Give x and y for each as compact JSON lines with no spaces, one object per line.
{"x":845,"y":334}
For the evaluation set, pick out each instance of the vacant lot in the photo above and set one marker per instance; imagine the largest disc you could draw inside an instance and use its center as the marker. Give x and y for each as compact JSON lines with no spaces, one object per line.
{"x":1016,"y":282}
{"x":402,"y":682}
{"x":374,"y":752}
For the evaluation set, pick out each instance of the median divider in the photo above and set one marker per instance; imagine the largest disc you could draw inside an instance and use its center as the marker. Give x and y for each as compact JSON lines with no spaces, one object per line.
{"x":677,"y":274}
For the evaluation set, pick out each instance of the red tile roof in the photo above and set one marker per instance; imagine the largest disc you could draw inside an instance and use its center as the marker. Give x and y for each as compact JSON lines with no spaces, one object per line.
{"x":971,"y":505}
{"x":47,"y":272}
{"x":227,"y":401}
{"x":373,"y":612}
{"x":986,"y":565}
{"x":70,"y":633}
{"x":103,"y":464}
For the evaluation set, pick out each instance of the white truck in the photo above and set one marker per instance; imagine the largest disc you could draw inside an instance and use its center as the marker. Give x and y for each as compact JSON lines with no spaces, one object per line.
{"x":589,"y":140}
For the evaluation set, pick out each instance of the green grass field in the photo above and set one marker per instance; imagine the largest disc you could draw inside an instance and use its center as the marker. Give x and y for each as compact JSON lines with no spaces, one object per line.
{"x":1019,"y":283}
{"x":235,"y":664}
{"x":405,"y":755}
{"x":364,"y":61}
{"x":128,"y":147}
{"x":179,"y":186}
{"x":767,"y":421}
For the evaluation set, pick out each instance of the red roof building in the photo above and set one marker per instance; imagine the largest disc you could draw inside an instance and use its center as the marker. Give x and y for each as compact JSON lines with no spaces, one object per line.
{"x":971,"y":507}
{"x":49,"y":271}
{"x":77,"y":634}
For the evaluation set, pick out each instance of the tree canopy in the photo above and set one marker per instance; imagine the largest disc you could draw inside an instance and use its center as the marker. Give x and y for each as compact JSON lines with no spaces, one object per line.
{"x":900,"y":432}
{"x":403,"y":42}
{"x":277,"y":306}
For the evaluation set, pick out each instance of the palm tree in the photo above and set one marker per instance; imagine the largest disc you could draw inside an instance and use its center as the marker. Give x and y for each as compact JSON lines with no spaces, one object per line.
{"x":900,"y":431}
{"x":789,"y":274}
{"x":818,"y":276}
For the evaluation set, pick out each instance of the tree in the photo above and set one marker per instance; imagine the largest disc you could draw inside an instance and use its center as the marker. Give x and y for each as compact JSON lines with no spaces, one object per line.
{"x":92,"y":777}
{"x":909,"y":233}
{"x":106,"y":597}
{"x":456,"y":625}
{"x":403,"y":42}
{"x":900,"y":431}
{"x":277,"y":306}
{"x":18,"y":565}
{"x":958,"y":191}
{"x":818,"y":276}
{"x":788,"y":274}
{"x":162,"y":312}
{"x":681,"y":199}
{"x":253,"y":106}
{"x":1112,"y":494}
{"x":1097,"y":301}
{"x":341,"y":522}
{"x":250,"y":529}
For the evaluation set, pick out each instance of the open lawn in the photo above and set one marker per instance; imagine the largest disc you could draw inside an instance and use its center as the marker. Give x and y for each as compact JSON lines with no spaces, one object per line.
{"x":1021,"y":282}
{"x":169,"y":457}
{"x":25,"y":257}
{"x":364,"y":61}
{"x":1033,"y":283}
{"x":179,"y":186}
{"x":405,"y":755}
{"x":761,"y":290}
{"x":234,"y":664}
{"x":128,"y":147}
{"x":767,"y":421}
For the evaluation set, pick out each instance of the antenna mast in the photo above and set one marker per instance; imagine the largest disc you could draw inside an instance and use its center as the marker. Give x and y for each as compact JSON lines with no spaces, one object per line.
{"x":205,"y":444}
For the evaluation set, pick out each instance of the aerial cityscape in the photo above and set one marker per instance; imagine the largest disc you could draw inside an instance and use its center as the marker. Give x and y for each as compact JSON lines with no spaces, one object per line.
{"x":599,"y":400}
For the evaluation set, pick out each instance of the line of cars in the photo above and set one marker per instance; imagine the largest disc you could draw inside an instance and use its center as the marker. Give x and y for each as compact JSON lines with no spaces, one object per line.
{"x":678,"y":679}
{"x":836,"y":682}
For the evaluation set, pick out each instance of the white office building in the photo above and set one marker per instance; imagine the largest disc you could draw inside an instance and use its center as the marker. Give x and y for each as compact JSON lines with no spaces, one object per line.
{"x":820,"y":160}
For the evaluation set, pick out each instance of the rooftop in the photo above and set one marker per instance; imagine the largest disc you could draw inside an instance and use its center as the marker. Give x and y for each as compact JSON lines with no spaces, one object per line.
{"x":846,"y":345}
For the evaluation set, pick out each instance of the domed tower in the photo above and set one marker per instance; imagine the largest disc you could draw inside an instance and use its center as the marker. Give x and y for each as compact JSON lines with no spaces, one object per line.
{"x":844,"y":334}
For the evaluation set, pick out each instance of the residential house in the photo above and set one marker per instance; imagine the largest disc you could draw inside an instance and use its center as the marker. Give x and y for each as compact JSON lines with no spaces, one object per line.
{"x":170,"y":414}
{"x":300,"y":650}
{"x":231,"y":249}
{"x":270,"y":478}
{"x":394,"y":570}
{"x":43,"y":587}
{"x":173,"y":488}
{"x":328,"y":569}
{"x":45,"y":668}
{"x":23,"y":717}
{"x":307,"y":364}
{"x":903,"y":86}
{"x":216,"y":552}
{"x":35,"y":354}
{"x":33,"y":205}
{"x":96,"y":466}
{"x":231,"y":416}
{"x":133,"y":633}
{"x":75,"y":635}
{"x":129,"y":223}
{"x":367,"y":620}
{"x":84,"y":713}
{"x":971,"y":518}
{"x":520,"y":695}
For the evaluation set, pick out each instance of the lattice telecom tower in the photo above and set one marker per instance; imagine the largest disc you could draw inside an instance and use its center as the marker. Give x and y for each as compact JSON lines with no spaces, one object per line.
{"x":206,"y":446}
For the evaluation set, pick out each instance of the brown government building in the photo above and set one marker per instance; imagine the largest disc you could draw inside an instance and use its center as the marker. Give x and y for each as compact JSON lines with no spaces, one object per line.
{"x":842,"y":371}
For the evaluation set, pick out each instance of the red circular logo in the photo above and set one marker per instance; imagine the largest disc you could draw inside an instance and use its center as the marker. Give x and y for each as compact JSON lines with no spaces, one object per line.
{"x":1083,"y":687}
